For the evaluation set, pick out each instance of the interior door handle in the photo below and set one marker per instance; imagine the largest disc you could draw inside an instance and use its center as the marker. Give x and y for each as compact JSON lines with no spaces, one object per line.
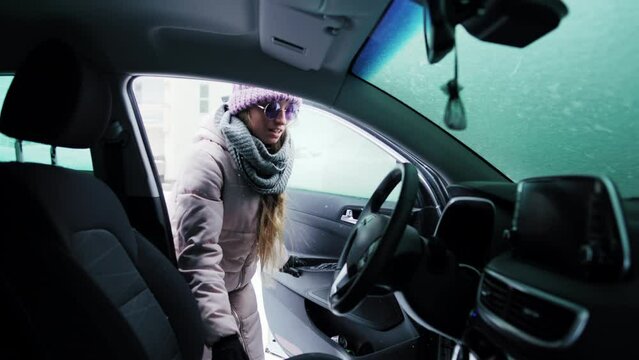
{"x":348,"y":217}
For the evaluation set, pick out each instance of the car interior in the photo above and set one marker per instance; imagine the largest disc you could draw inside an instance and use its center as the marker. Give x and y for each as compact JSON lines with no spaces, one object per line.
{"x":448,"y":258}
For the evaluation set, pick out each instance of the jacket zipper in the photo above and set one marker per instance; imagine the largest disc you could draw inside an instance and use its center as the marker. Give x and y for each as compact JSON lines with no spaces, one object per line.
{"x":239,"y":283}
{"x":243,"y":271}
{"x":240,"y":327}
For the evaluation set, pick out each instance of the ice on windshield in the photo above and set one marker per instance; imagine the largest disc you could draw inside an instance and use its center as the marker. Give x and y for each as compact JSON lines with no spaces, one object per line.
{"x":567,"y":104}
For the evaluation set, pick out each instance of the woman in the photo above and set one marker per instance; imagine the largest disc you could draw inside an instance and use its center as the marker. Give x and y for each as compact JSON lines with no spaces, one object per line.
{"x":228,"y":213}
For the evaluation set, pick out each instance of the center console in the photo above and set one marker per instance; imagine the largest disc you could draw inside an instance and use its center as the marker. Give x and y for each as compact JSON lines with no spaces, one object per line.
{"x":572,"y":225}
{"x":565,"y":288}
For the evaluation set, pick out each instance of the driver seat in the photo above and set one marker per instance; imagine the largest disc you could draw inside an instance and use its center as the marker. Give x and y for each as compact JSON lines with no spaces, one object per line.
{"x":76,"y":280}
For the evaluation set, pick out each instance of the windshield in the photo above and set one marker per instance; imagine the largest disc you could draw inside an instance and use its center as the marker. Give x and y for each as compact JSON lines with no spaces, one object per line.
{"x":566,"y":104}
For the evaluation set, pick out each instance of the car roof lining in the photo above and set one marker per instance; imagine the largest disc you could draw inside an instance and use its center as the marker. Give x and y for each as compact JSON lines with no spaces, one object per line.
{"x":151,"y":36}
{"x":199,"y":41}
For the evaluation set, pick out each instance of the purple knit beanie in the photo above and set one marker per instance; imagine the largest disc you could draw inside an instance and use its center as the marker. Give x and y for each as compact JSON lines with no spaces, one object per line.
{"x":244,"y":96}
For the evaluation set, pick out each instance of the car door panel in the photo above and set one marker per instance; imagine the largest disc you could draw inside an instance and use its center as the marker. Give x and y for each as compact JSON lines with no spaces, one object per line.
{"x":379,"y":312}
{"x":314,"y":228}
{"x":301,"y":326}
{"x":316,"y":234}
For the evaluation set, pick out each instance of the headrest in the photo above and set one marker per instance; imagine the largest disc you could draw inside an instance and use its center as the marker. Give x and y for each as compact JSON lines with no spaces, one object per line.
{"x":56,"y":98}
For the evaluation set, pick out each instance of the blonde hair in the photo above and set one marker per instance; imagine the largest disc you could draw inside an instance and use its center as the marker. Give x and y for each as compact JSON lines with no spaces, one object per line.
{"x":270,"y":229}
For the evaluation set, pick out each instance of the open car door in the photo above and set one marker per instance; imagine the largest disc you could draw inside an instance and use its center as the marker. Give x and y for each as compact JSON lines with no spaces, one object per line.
{"x":333,"y":178}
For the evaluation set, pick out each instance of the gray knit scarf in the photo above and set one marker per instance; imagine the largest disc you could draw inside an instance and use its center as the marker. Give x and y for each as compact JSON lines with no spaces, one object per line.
{"x":266,"y":173}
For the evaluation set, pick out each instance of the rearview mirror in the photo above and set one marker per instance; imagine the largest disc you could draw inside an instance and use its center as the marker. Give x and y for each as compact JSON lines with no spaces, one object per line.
{"x":509,"y":22}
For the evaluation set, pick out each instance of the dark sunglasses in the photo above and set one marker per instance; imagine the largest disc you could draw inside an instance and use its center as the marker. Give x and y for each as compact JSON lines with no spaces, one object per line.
{"x":273,"y":108}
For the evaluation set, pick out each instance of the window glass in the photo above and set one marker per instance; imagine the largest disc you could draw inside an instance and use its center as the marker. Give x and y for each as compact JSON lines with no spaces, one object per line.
{"x":79,"y":159}
{"x":204,"y":99}
{"x":565,"y":104}
{"x":5,"y":81}
{"x":330,"y":157}
{"x":171,"y":119}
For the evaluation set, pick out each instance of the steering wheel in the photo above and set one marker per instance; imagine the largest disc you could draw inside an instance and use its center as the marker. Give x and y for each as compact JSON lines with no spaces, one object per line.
{"x":373,"y":240}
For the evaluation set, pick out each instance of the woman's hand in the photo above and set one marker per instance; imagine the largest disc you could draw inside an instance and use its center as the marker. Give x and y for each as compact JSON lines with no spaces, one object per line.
{"x":228,"y":348}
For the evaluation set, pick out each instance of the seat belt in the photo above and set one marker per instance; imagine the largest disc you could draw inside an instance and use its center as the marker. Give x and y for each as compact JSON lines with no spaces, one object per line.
{"x":115,"y":140}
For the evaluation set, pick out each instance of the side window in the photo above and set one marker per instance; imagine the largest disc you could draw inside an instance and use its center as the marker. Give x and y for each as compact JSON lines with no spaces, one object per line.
{"x":79,"y":159}
{"x":204,"y":98}
{"x":171,"y":110}
{"x":330,"y":157}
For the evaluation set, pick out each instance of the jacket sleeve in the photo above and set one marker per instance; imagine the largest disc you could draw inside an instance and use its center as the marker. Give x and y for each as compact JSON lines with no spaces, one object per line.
{"x":199,"y":212}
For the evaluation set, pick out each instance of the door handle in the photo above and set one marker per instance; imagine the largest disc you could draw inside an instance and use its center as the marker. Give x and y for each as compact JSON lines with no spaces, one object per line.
{"x":348,"y":217}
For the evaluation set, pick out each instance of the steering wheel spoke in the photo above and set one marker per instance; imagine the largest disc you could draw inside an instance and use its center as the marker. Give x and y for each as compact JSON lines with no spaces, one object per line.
{"x":366,"y":255}
{"x":342,"y":282}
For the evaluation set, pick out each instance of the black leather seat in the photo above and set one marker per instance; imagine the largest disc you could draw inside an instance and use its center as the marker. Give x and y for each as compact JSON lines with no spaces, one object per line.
{"x":77,"y":281}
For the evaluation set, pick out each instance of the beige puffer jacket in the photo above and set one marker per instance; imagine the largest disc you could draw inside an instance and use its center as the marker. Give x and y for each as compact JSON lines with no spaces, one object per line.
{"x":214,"y":222}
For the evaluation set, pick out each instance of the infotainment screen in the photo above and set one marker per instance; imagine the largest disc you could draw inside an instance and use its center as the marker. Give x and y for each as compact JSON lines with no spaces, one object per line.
{"x":572,"y":224}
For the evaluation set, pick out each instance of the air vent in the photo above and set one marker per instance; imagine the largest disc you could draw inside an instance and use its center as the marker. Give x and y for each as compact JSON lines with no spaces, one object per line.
{"x":538,"y":317}
{"x":529,"y":314}
{"x":597,"y":225}
{"x":495,"y":295}
{"x":597,"y":214}
{"x":601,"y":254}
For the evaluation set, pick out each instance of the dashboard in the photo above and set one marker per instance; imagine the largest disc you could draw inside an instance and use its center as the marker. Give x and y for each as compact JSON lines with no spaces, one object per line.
{"x":559,"y":281}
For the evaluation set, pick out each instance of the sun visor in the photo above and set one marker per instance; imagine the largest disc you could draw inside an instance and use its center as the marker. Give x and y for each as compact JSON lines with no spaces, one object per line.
{"x":302,"y":33}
